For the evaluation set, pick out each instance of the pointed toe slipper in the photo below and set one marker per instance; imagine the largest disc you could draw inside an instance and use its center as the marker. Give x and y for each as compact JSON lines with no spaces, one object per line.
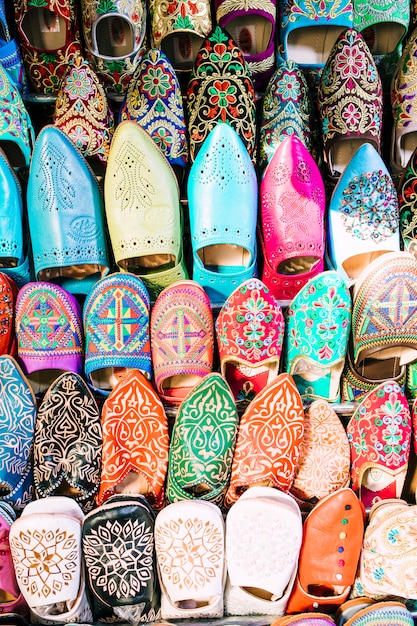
{"x":318,"y":323}
{"x":67,"y":442}
{"x":221,"y":89}
{"x":329,"y":554}
{"x":386,"y":563}
{"x":49,"y":333}
{"x":384,"y":314}
{"x":291,"y":225}
{"x":135,"y":441}
{"x":18,"y":413}
{"x":223,"y":242}
{"x":363,"y":214}
{"x":202,"y":443}
{"x":143,"y":209}
{"x":379,"y":434}
{"x":182,"y":339}
{"x":274,"y":420}
{"x":72,"y":251}
{"x":250,"y":333}
{"x":403,"y":107}
{"x":263,"y":541}
{"x":153,"y":99}
{"x":14,"y":245}
{"x":194,"y":587}
{"x":324,"y":461}
{"x":348,"y":122}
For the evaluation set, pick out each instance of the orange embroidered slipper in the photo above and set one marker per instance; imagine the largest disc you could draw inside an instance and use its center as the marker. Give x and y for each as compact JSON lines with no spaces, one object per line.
{"x":268,"y":440}
{"x":135,"y":441}
{"x":250,"y":332}
{"x":182,"y":339}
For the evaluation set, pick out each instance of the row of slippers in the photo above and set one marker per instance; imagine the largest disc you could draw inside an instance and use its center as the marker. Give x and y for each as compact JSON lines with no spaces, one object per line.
{"x":121,"y":562}
{"x":336,"y":343}
{"x":145,"y":219}
{"x":115,"y":36}
{"x":70,"y":441}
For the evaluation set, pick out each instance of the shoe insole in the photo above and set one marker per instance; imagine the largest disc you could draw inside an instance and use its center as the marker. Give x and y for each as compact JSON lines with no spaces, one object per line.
{"x":383,"y":38}
{"x":44,"y":29}
{"x":341,"y":152}
{"x":176,"y":387}
{"x":114,"y":36}
{"x":220,"y":256}
{"x":405,"y":148}
{"x":297,"y":265}
{"x":311,"y":45}
{"x":251,"y":33}
{"x":148,"y":264}
{"x":181,"y":48}
{"x":355,"y":265}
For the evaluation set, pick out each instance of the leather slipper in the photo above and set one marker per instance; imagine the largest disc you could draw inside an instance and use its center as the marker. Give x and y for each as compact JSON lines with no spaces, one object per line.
{"x":202,"y":443}
{"x":263,"y":541}
{"x":189,"y":542}
{"x":274,"y":420}
{"x":67,"y":442}
{"x":330,"y":552}
{"x":135,"y":441}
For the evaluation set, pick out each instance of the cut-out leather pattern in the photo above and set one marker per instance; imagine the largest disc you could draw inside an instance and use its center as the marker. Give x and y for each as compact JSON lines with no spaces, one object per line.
{"x":68,"y":440}
{"x":135,"y":438}
{"x":203,"y":441}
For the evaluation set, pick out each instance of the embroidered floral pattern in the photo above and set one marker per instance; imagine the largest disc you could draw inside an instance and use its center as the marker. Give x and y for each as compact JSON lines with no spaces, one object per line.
{"x":221,"y":89}
{"x":186,"y":15}
{"x":154,"y":100}
{"x":115,"y":73}
{"x":314,"y":10}
{"x":350,"y":91}
{"x":45,"y":68}
{"x":318,"y":326}
{"x":250,"y":332}
{"x":387,"y":557}
{"x":287,"y":109}
{"x":82,"y":111}
{"x":407,"y":195}
{"x":379,"y":431}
